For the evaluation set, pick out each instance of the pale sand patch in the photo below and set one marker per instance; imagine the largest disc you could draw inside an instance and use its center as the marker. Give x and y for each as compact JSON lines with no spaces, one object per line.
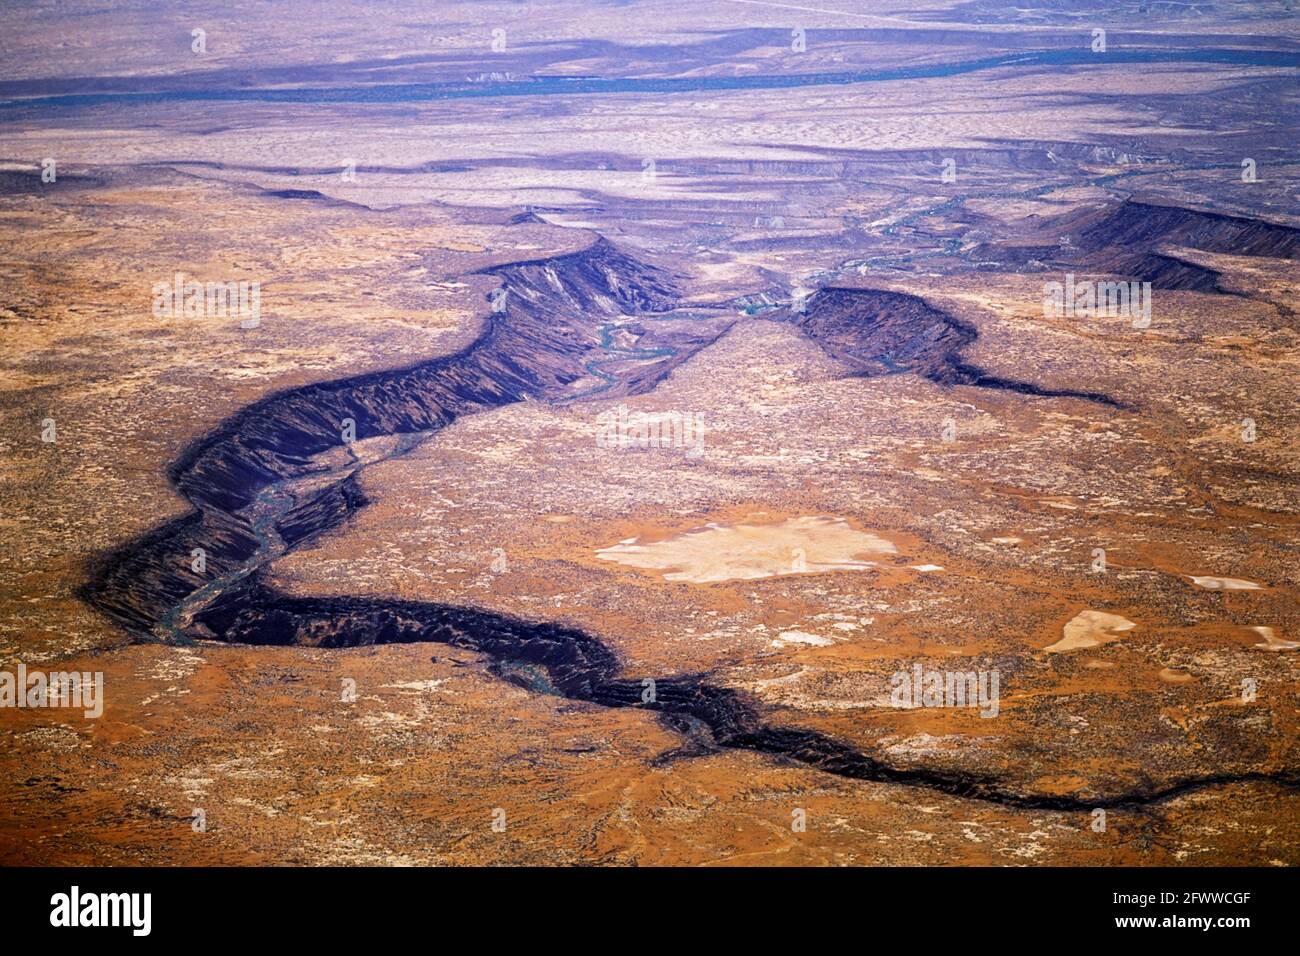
{"x":1089,"y":629}
{"x":812,"y":544}
{"x":926,"y":567}
{"x":1224,"y":584}
{"x":416,"y":685}
{"x":1272,"y":642}
{"x":1172,"y":675}
{"x":801,"y":637}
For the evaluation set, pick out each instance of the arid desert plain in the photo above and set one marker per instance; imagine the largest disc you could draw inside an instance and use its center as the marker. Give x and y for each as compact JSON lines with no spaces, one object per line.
{"x":650,"y":433}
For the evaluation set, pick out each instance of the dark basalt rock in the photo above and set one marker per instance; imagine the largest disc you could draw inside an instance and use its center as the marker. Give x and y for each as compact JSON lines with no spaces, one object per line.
{"x":1144,"y":225}
{"x":296,"y":194}
{"x":1132,"y":240}
{"x":537,"y":346}
{"x":578,"y":666}
{"x":601,"y":277}
{"x":137,"y":582}
{"x":881,"y":332}
{"x":1164,"y":272}
{"x":321,"y":512}
{"x":528,"y":218}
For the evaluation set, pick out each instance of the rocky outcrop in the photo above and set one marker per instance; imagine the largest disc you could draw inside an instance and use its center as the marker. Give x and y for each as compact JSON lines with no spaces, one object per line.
{"x":1144,"y":225}
{"x":1136,"y":240}
{"x":881,"y":332}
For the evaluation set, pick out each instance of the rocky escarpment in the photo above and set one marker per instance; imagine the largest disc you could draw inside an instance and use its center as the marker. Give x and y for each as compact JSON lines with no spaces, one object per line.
{"x":1138,"y":240}
{"x":881,"y":332}
{"x":1134,"y":224}
{"x":533,"y":345}
{"x":536,"y":344}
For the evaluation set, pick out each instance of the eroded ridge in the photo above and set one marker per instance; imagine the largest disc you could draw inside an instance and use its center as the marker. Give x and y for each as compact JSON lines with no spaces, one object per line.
{"x":881,"y":332}
{"x":1140,"y":240}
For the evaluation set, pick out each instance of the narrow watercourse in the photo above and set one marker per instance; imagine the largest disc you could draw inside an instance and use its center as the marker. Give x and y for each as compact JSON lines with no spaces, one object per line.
{"x":200,"y":89}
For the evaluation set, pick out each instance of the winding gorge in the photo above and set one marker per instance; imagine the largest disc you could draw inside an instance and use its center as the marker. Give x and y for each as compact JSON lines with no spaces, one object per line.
{"x":260,"y":489}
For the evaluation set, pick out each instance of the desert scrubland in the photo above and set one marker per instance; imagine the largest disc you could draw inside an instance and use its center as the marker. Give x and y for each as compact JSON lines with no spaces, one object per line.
{"x":709,"y":427}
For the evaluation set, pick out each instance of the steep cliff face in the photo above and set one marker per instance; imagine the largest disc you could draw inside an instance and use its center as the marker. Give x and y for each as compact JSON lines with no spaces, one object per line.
{"x":570,"y":663}
{"x":1130,"y":241}
{"x":1137,"y":240}
{"x":532,"y":347}
{"x":1164,"y":272}
{"x":601,"y":278}
{"x":881,"y":332}
{"x":136,"y":583}
{"x":1142,"y":225}
{"x":538,"y":345}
